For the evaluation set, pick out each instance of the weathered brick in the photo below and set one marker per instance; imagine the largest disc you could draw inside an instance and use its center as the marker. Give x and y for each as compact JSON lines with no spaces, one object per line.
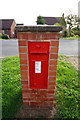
{"x":23,"y":49}
{"x":38,"y":36}
{"x":52,"y":82}
{"x":53,"y":67}
{"x":23,"y":56}
{"x":54,"y":50}
{"x":31,"y":36}
{"x":53,"y":56}
{"x":54,"y":43}
{"x":45,"y":36}
{"x":23,"y":61}
{"x":25,"y":36}
{"x":22,"y":43}
{"x":20,"y":36}
{"x":24,"y":82}
{"x":52,"y":73}
{"x":53,"y":62}
{"x":52,"y":78}
{"x":24,"y":75}
{"x":24,"y":67}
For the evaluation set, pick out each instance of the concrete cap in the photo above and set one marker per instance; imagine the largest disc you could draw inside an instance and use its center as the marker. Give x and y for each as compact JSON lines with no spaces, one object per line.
{"x":39,"y":28}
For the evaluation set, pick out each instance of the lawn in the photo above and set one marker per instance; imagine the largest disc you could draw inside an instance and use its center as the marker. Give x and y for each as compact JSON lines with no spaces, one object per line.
{"x":66,"y":92}
{"x":11,"y":86}
{"x":67,"y":95}
{"x":70,"y":38}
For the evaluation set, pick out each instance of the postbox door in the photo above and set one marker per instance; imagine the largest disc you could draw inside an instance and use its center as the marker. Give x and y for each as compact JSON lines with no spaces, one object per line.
{"x":38,"y":68}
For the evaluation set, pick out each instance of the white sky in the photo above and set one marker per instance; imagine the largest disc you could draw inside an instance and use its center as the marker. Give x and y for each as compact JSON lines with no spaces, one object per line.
{"x":26,"y":11}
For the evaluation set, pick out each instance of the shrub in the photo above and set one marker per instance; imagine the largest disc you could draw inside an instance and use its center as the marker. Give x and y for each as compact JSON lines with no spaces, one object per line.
{"x":4,"y":36}
{"x":0,"y":36}
{"x":40,"y":20}
{"x":58,"y":24}
{"x":65,"y":34}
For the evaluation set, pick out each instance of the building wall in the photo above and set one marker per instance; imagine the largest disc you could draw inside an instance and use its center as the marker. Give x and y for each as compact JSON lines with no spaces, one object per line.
{"x":0,"y":32}
{"x":12,"y":30}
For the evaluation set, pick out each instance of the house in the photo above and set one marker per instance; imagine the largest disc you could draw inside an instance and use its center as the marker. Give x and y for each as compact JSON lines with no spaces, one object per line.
{"x":7,"y":26}
{"x":54,"y":20}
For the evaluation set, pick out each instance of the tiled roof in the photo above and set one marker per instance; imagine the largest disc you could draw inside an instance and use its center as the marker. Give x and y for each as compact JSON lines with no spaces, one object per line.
{"x":5,"y":24}
{"x":53,"y":20}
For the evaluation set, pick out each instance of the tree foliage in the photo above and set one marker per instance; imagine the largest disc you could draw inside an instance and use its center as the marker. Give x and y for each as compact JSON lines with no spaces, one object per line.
{"x":40,"y":20}
{"x":72,"y":21}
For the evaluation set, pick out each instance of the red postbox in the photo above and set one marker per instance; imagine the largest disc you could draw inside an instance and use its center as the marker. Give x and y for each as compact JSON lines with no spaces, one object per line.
{"x":38,"y":64}
{"x":38,"y":50}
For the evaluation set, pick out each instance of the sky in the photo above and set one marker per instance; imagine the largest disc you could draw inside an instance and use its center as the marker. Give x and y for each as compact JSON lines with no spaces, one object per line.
{"x":26,"y":11}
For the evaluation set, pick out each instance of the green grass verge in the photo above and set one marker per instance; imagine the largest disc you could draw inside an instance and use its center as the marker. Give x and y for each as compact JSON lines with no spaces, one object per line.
{"x":66,"y":92}
{"x":70,"y":38}
{"x":67,"y":95}
{"x":11,"y":87}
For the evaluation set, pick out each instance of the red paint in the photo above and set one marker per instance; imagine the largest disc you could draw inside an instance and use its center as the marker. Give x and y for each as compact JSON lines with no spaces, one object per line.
{"x":38,"y":51}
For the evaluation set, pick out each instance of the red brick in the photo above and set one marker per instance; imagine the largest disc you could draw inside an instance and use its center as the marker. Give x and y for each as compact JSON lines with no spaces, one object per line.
{"x":52,"y":78}
{"x":25,"y":95}
{"x":24,"y":82}
{"x":22,"y":42}
{"x":36,"y":95}
{"x":52,"y":83}
{"x":26,"y":91}
{"x":26,"y":103}
{"x":33,"y":103}
{"x":22,"y":49}
{"x":24,"y":72}
{"x":50,"y":95}
{"x":29,"y":99}
{"x":25,"y":36}
{"x":44,"y":99}
{"x":24,"y":86}
{"x":51,"y":91}
{"x":53,"y":56}
{"x":31,"y":36}
{"x":42,"y":92}
{"x":23,"y":56}
{"x":24,"y":67}
{"x":20,"y":35}
{"x":52,"y":73}
{"x":54,"y":43}
{"x":51,"y":86}
{"x":24,"y":75}
{"x":52,"y":67}
{"x":52,"y":35}
{"x":32,"y":95}
{"x":45,"y":36}
{"x":36,"y":103}
{"x":54,"y":50}
{"x":49,"y":103}
{"x":38,"y":36}
{"x":23,"y":61}
{"x":53,"y":62}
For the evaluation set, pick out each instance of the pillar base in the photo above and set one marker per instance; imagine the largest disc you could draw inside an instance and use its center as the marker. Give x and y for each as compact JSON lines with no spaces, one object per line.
{"x":31,"y":112}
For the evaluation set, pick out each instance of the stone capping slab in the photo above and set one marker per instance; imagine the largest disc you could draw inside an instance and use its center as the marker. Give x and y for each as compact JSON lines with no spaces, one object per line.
{"x":39,"y":28}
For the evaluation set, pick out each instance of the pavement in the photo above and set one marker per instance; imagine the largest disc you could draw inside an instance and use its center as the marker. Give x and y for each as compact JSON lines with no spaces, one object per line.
{"x":69,"y":47}
{"x":66,"y":47}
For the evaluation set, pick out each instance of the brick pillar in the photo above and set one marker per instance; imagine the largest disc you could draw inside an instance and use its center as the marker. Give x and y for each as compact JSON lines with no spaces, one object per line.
{"x":38,"y":97}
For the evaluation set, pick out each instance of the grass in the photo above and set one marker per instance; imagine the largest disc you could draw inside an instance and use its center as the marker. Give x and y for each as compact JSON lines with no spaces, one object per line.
{"x":70,"y":38}
{"x":67,"y":95}
{"x":11,"y":86}
{"x":66,"y":92}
